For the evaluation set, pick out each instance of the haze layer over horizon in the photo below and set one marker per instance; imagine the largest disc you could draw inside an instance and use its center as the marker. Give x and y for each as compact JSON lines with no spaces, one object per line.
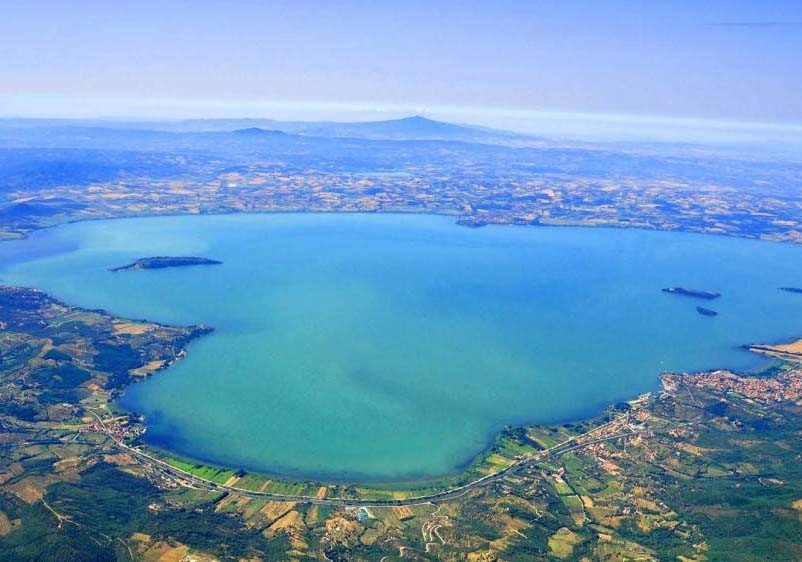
{"x":535,"y":68}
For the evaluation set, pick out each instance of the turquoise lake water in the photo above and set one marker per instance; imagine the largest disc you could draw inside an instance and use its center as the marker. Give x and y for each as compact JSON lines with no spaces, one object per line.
{"x":394,"y":346}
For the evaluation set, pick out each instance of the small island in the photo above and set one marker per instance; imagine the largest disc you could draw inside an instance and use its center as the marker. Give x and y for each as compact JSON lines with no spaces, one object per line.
{"x":706,"y":311}
{"x":796,"y":290}
{"x":162,"y":262}
{"x":693,"y":293}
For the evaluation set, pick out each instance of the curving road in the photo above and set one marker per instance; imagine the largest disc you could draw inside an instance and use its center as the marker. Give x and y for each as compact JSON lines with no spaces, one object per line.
{"x":449,"y":494}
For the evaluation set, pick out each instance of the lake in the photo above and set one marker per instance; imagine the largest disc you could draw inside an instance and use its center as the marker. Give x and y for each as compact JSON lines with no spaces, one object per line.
{"x":385,"y":347}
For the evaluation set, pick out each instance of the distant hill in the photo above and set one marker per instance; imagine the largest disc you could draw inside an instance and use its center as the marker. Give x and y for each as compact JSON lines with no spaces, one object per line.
{"x":257,"y":132}
{"x":408,"y":128}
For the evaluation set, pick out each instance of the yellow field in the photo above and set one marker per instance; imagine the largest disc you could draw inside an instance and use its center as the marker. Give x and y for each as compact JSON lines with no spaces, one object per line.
{"x":276,"y":510}
{"x":231,"y":481}
{"x":130,"y":328}
{"x":148,"y":368}
{"x":403,"y":512}
{"x":787,"y":351}
{"x":312,"y":515}
{"x":5,"y":524}
{"x":562,"y":542}
{"x":287,"y":520}
{"x":31,"y":489}
{"x":120,"y":459}
{"x":793,"y":347}
{"x":163,"y":552}
{"x":167,"y":553}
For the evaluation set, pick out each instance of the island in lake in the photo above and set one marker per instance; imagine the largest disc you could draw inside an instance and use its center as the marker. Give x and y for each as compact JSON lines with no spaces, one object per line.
{"x":162,"y":262}
{"x":694,"y":293}
{"x":706,"y":311}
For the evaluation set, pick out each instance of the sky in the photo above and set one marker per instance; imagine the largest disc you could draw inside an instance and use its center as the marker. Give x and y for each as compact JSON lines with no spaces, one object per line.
{"x":502,"y":62}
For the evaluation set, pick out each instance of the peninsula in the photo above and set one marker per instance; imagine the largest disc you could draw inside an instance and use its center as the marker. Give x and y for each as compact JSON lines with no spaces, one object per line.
{"x":163,"y":262}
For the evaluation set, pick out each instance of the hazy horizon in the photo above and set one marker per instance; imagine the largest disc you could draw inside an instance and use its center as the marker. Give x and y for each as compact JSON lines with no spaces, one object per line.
{"x":565,"y":125}
{"x":513,"y":65}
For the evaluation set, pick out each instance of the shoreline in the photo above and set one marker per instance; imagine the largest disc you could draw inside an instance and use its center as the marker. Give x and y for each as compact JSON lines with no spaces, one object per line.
{"x":460,"y":221}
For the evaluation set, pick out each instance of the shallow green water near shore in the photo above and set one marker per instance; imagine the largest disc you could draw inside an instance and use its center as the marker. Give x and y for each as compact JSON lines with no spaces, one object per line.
{"x":394,"y":346}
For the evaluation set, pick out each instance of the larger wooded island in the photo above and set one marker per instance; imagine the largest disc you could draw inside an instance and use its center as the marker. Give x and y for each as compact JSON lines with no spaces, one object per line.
{"x":162,"y":262}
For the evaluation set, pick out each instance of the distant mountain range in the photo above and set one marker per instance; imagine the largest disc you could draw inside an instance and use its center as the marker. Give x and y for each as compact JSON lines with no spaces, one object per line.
{"x":408,"y":128}
{"x":322,"y":140}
